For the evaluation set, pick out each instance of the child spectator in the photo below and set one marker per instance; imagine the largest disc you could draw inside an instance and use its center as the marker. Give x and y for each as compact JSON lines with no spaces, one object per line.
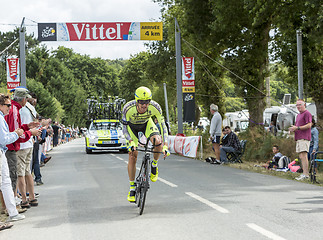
{"x":274,"y":161}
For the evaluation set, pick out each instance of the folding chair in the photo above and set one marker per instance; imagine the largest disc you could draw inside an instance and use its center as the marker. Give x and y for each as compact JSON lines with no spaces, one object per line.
{"x":235,"y":157}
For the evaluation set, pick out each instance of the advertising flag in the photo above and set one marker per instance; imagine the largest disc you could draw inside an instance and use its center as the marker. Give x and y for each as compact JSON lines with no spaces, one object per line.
{"x":100,"y":31}
{"x":188,"y":87}
{"x":13,"y":78}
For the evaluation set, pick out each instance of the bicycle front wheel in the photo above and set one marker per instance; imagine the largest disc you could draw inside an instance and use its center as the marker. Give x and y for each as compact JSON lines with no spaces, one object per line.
{"x":143,"y":188}
{"x":142,"y":199}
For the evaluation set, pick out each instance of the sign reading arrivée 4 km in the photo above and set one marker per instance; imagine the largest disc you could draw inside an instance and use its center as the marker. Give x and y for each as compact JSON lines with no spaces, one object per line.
{"x":100,"y":31}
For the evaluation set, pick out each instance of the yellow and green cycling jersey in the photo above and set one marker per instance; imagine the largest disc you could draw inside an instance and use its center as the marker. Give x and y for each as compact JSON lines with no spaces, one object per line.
{"x":138,"y":122}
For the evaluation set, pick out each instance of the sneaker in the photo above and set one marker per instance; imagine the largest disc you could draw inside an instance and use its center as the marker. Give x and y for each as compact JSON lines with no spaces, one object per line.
{"x":36,"y":194}
{"x":38,"y":183}
{"x":47,"y":159}
{"x":131,"y":196}
{"x":18,"y":200}
{"x":25,"y":204}
{"x":302,"y":177}
{"x":33,"y":203}
{"x":215,"y":161}
{"x":16,"y":218}
{"x":154,"y":174}
{"x":20,"y":209}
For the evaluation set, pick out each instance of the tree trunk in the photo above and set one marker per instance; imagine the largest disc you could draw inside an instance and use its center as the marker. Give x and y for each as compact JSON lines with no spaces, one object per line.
{"x":319,"y":111}
{"x":257,"y":104}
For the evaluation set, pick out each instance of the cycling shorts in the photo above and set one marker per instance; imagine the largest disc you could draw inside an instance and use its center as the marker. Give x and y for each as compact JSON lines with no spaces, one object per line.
{"x":149,"y":129}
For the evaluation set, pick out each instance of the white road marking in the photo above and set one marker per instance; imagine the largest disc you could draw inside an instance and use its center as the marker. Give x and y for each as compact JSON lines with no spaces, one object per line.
{"x":120,"y":158}
{"x":113,"y":154}
{"x":207,"y":202}
{"x":167,"y":182}
{"x":264,"y":232}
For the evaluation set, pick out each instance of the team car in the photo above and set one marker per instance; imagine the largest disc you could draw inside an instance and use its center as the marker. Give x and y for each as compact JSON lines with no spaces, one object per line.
{"x":105,"y":134}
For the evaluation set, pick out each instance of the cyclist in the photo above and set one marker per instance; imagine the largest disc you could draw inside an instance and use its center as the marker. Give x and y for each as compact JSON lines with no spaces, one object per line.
{"x":137,"y":115}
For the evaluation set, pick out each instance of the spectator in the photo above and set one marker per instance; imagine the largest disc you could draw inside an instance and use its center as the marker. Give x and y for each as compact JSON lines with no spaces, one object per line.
{"x":224,"y":139}
{"x":272,"y":128}
{"x":56,"y":130}
{"x":6,"y":138}
{"x":302,"y":131}
{"x":14,"y":121}
{"x":24,"y":155}
{"x":274,"y":161}
{"x":68,"y":133}
{"x":232,"y":145}
{"x":314,"y":144}
{"x":215,"y":131}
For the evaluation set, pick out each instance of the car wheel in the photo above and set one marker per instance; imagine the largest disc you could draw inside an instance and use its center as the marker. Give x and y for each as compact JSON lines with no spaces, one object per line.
{"x":123,"y":151}
{"x":88,"y":151}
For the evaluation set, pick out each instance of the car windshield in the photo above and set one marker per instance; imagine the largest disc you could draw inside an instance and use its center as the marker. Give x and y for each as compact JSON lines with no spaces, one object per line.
{"x":105,"y":126}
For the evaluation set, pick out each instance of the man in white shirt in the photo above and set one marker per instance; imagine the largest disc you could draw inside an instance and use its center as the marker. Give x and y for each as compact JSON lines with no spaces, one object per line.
{"x":215,"y":131}
{"x":25,"y":179}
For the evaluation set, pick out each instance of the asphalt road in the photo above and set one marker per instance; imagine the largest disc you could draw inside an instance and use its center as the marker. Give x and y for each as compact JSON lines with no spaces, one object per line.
{"x":84,"y":197}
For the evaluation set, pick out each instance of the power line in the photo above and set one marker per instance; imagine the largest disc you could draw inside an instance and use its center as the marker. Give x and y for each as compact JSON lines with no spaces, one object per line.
{"x":32,"y":20}
{"x":14,"y":24}
{"x":8,"y":46}
{"x":280,"y":103}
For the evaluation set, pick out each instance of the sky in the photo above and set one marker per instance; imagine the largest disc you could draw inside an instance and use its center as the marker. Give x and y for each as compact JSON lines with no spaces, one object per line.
{"x":52,"y":11}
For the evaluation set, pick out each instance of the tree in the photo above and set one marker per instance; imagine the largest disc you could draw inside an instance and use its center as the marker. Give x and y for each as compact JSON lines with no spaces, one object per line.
{"x":45,"y":105}
{"x":96,"y":76}
{"x":133,"y":75}
{"x":305,"y":16}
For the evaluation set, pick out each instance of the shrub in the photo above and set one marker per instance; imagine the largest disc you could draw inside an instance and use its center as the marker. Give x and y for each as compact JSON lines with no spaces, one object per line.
{"x":259,"y":145}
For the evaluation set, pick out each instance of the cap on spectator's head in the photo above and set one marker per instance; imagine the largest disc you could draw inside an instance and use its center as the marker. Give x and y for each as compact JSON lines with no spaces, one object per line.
{"x":21,"y":92}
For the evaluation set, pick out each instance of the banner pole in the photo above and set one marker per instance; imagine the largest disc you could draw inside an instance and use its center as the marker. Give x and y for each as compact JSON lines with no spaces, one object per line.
{"x":166,"y":103}
{"x":179,"y":77}
{"x":201,"y":148}
{"x":22,"y":47}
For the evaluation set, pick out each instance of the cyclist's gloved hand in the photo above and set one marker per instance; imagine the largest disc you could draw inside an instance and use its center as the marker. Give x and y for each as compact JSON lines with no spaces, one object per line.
{"x":165,"y":151}
{"x":131,"y":146}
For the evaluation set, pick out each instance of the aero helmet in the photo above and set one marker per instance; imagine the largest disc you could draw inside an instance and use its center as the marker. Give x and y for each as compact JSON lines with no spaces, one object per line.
{"x":143,"y":93}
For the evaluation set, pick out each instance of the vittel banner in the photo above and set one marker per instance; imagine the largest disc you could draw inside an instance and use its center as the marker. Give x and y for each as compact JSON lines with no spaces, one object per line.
{"x":188,"y":87}
{"x":100,"y":31}
{"x":188,"y":72}
{"x":13,"y":78}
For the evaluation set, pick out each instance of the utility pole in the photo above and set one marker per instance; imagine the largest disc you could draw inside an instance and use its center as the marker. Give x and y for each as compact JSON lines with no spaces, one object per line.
{"x":22,"y":46}
{"x":179,"y":77}
{"x":300,"y":63}
{"x":268,"y":83}
{"x":166,"y":103}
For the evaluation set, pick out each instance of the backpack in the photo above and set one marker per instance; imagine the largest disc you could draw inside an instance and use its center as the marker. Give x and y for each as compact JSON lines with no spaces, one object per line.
{"x":283,"y":162}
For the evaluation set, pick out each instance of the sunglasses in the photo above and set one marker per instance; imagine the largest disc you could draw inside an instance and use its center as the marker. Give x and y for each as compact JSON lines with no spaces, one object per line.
{"x":8,"y":105}
{"x":143,"y":102}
